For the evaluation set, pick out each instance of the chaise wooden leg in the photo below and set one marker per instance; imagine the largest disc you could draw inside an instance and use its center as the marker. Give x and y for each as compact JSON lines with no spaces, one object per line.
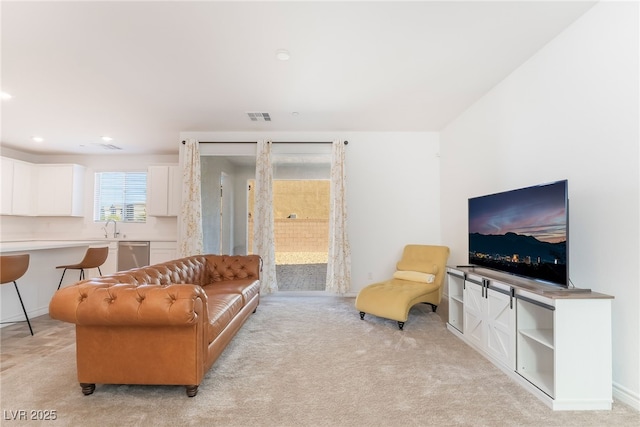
{"x":192,"y":390}
{"x":433,"y":307}
{"x":87,"y":388}
{"x":400,"y":325}
{"x":362,"y":315}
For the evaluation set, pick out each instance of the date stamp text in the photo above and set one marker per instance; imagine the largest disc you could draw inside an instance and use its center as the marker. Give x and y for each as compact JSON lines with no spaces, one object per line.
{"x":29,"y":415}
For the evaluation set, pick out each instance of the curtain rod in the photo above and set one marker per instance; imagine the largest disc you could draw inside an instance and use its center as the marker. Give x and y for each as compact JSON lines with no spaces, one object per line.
{"x":274,"y":142}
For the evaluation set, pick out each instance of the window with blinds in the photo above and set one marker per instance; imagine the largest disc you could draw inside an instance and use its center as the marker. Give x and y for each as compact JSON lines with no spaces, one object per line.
{"x":121,"y":196}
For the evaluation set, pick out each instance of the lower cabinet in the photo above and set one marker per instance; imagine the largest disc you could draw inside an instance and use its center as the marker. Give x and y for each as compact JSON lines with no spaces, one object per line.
{"x":110,"y":266}
{"x":162,"y":252}
{"x":557,"y":344}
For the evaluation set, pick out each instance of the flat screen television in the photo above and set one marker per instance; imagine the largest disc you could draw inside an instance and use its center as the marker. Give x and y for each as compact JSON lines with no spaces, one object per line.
{"x":522,"y":232}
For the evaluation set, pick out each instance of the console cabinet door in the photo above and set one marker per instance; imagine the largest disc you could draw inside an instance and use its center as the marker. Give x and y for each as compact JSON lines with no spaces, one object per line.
{"x":489,"y":319}
{"x":474,"y":317}
{"x":501,"y":325}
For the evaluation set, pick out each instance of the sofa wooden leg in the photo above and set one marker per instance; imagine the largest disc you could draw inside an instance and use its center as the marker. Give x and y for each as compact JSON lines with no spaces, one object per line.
{"x":400,"y":325}
{"x":87,"y":388}
{"x":362,"y":315}
{"x":192,"y":390}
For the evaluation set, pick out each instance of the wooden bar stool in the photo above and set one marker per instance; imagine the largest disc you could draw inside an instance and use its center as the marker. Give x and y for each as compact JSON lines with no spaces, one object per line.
{"x":13,"y":267}
{"x":94,"y":258}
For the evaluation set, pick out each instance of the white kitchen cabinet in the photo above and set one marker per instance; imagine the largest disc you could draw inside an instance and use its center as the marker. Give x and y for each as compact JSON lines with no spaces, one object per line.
{"x":162,"y":252}
{"x":59,"y":190}
{"x":6,"y":208}
{"x":555,"y":342}
{"x":164,"y":190}
{"x":110,"y":266}
{"x":17,"y":187}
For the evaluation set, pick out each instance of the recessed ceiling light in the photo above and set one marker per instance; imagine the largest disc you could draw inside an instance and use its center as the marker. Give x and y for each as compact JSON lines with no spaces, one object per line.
{"x":283,"y":54}
{"x":37,"y":139}
{"x":5,"y":95}
{"x":295,"y":113}
{"x":107,"y":138}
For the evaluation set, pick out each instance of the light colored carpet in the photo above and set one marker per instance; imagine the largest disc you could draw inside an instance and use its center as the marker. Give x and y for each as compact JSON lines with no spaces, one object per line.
{"x":310,"y":361}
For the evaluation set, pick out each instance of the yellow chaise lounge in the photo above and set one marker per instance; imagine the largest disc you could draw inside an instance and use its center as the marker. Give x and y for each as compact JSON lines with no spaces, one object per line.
{"x":419,"y":278}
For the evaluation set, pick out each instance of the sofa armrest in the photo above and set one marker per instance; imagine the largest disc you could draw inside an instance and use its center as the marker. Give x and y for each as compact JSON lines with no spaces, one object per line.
{"x":98,"y":303}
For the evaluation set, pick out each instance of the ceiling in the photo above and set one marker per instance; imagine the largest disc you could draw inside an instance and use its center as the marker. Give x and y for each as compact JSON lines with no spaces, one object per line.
{"x":142,"y":72}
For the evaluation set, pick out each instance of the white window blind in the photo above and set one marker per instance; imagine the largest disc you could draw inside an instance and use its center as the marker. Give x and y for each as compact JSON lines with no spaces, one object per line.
{"x":121,"y":196}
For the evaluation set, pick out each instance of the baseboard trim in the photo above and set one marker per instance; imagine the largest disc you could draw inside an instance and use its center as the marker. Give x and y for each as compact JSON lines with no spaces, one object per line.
{"x":626,"y":396}
{"x":20,"y":316}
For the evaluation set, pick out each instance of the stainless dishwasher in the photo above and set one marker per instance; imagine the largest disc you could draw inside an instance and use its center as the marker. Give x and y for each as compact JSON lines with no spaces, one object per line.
{"x":132,"y":255}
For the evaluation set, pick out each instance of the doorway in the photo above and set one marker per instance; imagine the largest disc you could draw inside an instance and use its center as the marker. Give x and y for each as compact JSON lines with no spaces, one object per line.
{"x":301,"y":232}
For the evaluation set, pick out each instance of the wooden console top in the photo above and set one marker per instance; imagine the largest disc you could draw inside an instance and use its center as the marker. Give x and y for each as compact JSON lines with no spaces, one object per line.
{"x":535,"y":287}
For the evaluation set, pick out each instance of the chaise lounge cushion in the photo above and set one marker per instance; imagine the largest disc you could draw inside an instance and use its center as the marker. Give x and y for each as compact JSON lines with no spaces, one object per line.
{"x":414,"y":276}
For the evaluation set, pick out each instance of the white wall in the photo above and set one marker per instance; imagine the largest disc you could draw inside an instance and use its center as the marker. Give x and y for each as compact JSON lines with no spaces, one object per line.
{"x":570,"y":112}
{"x":393,"y":190}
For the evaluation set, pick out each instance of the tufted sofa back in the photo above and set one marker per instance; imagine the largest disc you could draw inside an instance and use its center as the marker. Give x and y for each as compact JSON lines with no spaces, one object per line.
{"x":224,"y":267}
{"x":196,"y":270}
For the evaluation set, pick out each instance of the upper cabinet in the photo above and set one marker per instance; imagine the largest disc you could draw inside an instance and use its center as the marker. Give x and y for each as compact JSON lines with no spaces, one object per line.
{"x":59,"y":189}
{"x":17,"y":187}
{"x":30,"y":189}
{"x":164,"y":189}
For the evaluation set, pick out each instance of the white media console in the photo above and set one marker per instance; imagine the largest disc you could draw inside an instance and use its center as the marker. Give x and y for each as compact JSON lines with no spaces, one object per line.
{"x":554,"y":342}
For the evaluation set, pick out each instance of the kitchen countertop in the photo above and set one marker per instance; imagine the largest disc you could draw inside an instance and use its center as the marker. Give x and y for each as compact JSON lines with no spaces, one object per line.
{"x":34,"y":245}
{"x":41,"y":244}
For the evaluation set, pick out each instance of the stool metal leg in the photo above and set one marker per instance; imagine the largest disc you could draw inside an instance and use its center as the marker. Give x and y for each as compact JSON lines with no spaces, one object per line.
{"x":23,"y":309}
{"x":63,"y":271}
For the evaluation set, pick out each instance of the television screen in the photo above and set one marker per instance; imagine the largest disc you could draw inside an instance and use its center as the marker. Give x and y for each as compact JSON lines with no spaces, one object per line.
{"x":522,"y":232}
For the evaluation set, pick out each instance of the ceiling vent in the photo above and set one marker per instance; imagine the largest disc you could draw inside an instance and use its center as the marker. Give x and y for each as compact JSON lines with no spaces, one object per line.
{"x":259,"y":117}
{"x":108,"y":146}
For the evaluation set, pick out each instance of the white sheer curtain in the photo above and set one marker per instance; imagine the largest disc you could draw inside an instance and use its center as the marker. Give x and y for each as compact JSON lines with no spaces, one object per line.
{"x":339,"y":260}
{"x":190,"y":220}
{"x":263,"y":224}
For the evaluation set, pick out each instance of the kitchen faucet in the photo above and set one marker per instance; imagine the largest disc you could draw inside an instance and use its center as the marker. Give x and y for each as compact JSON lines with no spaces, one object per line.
{"x":115,"y":228}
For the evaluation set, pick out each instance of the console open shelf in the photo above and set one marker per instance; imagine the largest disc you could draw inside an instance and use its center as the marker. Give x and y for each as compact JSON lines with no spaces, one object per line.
{"x":542,"y":336}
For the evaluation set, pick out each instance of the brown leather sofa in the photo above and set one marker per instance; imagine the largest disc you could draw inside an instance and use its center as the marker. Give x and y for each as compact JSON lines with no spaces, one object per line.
{"x":164,"y":324}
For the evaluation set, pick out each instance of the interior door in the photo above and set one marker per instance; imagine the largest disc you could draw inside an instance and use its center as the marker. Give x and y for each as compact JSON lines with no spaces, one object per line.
{"x":226,"y":214}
